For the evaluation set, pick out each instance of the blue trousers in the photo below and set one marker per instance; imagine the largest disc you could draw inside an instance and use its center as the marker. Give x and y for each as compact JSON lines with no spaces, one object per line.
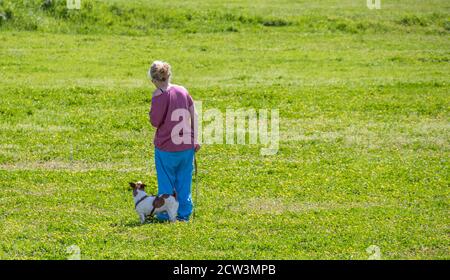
{"x":174,"y":172}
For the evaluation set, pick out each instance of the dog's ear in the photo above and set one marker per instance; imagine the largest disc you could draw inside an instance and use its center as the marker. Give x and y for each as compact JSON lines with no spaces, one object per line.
{"x":143,"y":186}
{"x":132,"y":185}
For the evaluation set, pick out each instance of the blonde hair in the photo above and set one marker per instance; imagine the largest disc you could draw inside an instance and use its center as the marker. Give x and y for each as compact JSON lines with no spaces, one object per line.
{"x":159,"y":71}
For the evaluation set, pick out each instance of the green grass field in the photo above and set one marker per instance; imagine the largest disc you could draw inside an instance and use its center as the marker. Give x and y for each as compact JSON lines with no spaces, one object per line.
{"x":363,"y":97}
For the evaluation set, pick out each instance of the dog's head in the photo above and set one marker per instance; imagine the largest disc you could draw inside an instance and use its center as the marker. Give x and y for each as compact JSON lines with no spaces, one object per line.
{"x":138,"y":186}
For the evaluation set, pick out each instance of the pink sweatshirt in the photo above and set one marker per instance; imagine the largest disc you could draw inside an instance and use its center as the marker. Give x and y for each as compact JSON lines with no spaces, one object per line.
{"x":163,"y":106}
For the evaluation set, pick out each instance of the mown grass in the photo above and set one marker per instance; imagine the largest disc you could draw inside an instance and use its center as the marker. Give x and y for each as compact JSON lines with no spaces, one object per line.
{"x":364,"y":128}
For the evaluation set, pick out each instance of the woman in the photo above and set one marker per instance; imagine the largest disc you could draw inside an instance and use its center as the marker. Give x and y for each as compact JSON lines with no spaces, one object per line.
{"x":173,"y":114}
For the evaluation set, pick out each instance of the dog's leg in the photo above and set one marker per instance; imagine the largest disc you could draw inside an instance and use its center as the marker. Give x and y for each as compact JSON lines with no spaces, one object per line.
{"x":142,"y":218}
{"x":172,"y":215}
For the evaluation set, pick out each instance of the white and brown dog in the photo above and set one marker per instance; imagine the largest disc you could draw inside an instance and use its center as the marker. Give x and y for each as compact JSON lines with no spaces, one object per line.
{"x":146,"y":205}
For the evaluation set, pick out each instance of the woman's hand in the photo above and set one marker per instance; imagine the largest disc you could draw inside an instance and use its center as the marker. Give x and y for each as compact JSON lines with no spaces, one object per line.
{"x":197,"y":147}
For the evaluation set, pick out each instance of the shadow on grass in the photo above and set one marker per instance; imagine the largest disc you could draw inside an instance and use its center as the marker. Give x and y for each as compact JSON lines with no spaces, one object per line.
{"x":137,"y":223}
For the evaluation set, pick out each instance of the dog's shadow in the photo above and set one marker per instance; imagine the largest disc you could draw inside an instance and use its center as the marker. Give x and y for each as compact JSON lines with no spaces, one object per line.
{"x":137,"y":223}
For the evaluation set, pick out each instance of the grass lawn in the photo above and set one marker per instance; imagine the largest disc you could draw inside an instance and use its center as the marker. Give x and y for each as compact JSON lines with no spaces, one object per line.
{"x":363,"y":97}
